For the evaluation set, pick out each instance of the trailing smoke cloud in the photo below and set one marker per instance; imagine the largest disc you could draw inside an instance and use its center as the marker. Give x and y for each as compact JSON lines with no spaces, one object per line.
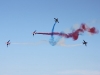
{"x":30,"y":43}
{"x":51,"y":41}
{"x":75,"y":34}
{"x":61,"y":42}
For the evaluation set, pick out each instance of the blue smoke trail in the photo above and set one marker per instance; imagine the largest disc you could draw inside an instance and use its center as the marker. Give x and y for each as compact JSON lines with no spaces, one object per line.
{"x":52,"y":41}
{"x":53,"y":30}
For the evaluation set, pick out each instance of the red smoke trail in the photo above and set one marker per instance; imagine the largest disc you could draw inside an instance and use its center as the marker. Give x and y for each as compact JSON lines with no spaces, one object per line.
{"x":88,"y":29}
{"x":74,"y":34}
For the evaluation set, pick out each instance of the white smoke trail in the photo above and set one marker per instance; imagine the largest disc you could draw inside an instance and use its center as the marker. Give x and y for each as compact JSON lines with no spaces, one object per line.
{"x":76,"y":26}
{"x":62,"y":43}
{"x":30,"y":43}
{"x":72,"y":45}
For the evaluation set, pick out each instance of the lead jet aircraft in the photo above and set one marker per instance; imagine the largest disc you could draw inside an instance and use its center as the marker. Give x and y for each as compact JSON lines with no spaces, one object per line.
{"x":34,"y":32}
{"x":56,"y":20}
{"x":8,"y":43}
{"x":84,"y":42}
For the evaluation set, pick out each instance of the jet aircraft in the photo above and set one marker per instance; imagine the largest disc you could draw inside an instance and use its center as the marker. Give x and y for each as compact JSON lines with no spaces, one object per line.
{"x":8,"y":43}
{"x":56,"y":20}
{"x":34,"y":32}
{"x":84,"y":42}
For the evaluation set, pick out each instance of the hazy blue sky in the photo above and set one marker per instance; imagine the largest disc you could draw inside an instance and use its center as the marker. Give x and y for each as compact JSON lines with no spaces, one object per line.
{"x":19,"y":18}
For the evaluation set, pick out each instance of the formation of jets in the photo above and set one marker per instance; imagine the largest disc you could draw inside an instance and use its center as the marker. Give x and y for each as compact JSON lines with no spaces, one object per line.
{"x":56,"y":20}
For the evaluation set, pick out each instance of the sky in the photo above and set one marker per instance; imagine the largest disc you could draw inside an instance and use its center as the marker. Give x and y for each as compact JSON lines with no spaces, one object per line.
{"x":28,"y":55}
